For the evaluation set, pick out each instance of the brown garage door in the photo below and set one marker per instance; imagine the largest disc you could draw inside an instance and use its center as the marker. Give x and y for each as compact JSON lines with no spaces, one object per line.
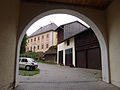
{"x":61,"y":57}
{"x":68,"y":57}
{"x":81,"y":59}
{"x":88,"y":58}
{"x":93,"y":58}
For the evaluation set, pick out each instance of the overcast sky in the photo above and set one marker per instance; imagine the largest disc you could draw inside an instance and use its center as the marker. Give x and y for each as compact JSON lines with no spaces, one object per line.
{"x":58,"y":19}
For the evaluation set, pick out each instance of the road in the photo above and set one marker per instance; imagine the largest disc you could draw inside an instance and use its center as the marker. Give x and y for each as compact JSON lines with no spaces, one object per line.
{"x":56,"y":77}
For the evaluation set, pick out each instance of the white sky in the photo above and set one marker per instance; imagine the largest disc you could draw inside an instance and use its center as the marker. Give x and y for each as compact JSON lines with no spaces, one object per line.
{"x":58,"y":19}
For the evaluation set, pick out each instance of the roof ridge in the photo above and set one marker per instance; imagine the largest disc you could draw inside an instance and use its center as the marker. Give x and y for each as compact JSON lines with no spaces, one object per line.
{"x":46,"y":28}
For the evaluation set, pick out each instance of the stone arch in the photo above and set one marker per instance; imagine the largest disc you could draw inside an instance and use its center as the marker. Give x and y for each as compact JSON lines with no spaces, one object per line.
{"x":103,"y":45}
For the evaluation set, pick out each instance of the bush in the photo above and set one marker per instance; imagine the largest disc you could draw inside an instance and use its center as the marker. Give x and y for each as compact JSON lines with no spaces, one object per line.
{"x":34,"y":55}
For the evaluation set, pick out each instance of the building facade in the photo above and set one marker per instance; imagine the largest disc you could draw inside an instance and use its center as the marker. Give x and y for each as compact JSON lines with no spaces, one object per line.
{"x":66,"y":52}
{"x":87,"y":50}
{"x":78,"y":46}
{"x":42,"y":39}
{"x":66,"y":42}
{"x":51,"y":54}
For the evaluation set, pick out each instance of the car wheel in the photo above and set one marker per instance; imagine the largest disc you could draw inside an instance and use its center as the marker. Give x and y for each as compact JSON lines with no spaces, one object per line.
{"x":33,"y":68}
{"x":27,"y":67}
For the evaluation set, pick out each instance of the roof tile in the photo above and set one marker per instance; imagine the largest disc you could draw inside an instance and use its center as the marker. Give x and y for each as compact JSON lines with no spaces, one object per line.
{"x":46,"y":28}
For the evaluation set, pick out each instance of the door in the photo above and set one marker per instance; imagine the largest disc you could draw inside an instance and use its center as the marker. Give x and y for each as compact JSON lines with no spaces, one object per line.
{"x":61,"y":57}
{"x":23,"y":63}
{"x":93,"y":58}
{"x":81,"y":59}
{"x":68,"y":57}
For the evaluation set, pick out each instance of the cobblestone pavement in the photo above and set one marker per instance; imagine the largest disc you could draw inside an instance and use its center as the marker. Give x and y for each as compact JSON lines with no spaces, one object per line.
{"x":55,"y":77}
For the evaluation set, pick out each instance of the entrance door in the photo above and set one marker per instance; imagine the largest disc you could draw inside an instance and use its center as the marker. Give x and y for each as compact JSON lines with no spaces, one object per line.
{"x":61,"y":57}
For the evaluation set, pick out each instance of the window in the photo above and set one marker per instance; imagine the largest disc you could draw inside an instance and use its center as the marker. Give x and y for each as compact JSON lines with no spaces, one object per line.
{"x":42,"y":37}
{"x":31,"y":40}
{"x":38,"y":38}
{"x":47,"y":36}
{"x":68,"y":51}
{"x":24,"y":60}
{"x":38,"y":47}
{"x":68,"y":42}
{"x":28,"y":48}
{"x":34,"y":39}
{"x":42,"y":46}
{"x":46,"y":45}
{"x":19,"y":60}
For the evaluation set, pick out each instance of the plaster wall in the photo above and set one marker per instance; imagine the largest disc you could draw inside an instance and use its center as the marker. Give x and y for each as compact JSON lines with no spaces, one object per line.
{"x":8,"y":35}
{"x":55,"y":38}
{"x":31,"y":10}
{"x":113,"y":20}
{"x":51,"y":39}
{"x":63,"y":46}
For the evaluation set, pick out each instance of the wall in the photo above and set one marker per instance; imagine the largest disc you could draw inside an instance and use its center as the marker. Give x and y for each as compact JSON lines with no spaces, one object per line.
{"x":30,"y":12}
{"x":63,"y":46}
{"x":60,"y":35}
{"x":55,"y":38}
{"x":51,"y":41}
{"x":9,"y":20}
{"x":72,"y":29}
{"x":87,"y":50}
{"x":8,"y":29}
{"x":113,"y":20}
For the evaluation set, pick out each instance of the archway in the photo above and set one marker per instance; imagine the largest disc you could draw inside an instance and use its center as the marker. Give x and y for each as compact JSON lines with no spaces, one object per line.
{"x":103,"y":47}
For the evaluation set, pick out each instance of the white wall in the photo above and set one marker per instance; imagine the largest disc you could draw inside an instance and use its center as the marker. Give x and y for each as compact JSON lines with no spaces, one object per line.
{"x":63,"y":46}
{"x":113,"y":20}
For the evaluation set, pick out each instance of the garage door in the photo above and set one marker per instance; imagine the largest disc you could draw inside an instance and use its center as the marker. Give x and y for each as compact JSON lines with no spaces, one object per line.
{"x":88,"y":58}
{"x":93,"y":58}
{"x":61,"y":57}
{"x":68,"y":57}
{"x":81,"y":59}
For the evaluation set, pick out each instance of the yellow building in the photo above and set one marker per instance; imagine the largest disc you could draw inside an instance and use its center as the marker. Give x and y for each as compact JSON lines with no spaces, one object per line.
{"x":42,"y":39}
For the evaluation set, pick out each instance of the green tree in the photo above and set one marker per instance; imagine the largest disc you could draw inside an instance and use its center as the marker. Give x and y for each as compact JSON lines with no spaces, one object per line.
{"x":23,"y":44}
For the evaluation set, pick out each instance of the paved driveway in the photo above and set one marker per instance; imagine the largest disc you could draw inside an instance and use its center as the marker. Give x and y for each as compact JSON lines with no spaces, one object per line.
{"x":55,"y":77}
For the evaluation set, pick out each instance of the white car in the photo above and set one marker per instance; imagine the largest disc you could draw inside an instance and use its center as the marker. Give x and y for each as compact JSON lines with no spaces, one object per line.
{"x":27,"y":63}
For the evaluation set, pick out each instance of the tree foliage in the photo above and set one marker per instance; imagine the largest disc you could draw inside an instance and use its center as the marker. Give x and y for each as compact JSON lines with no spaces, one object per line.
{"x":23,"y":45}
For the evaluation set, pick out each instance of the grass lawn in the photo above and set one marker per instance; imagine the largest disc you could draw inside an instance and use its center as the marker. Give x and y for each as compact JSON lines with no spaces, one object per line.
{"x":24,"y":72}
{"x":40,"y":61}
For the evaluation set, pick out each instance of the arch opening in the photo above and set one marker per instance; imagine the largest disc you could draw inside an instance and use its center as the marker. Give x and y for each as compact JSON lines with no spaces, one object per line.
{"x":103,"y":47}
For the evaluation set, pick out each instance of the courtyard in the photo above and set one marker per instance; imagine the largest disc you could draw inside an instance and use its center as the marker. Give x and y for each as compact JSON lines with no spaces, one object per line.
{"x":56,"y":77}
